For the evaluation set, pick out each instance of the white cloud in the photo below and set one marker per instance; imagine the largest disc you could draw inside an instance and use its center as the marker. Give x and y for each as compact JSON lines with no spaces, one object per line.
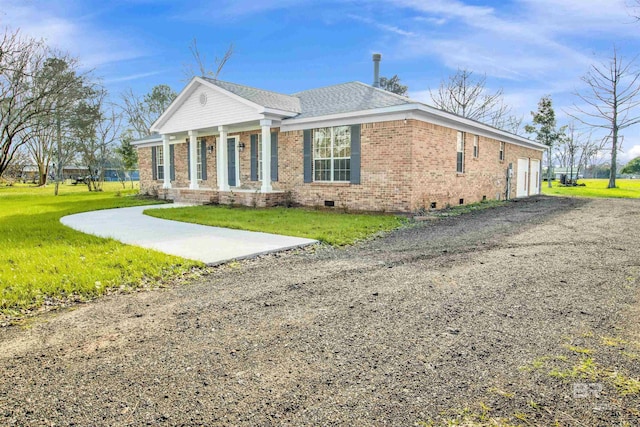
{"x":78,"y":35}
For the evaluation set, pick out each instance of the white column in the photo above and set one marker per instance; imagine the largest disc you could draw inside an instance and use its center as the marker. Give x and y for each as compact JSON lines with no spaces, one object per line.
{"x":193,"y":159}
{"x":266,"y":156}
{"x":222,"y":156}
{"x":166,"y":164}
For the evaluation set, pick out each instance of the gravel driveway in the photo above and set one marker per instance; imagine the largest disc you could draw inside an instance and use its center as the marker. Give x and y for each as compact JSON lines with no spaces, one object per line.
{"x":526,"y":313}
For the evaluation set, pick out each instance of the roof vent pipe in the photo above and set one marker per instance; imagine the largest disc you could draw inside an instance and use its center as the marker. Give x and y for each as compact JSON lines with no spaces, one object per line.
{"x":376,"y":69}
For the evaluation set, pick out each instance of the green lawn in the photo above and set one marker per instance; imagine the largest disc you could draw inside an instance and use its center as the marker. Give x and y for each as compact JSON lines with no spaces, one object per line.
{"x":334,"y":228}
{"x":626,"y":189}
{"x":41,"y":259}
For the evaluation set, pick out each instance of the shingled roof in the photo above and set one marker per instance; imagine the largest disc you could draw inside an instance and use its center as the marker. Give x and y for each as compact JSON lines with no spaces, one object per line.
{"x":262,"y":97}
{"x":345,"y":98}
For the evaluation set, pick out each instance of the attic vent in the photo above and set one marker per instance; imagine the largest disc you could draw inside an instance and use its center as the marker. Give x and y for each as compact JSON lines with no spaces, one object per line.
{"x":203,"y":99}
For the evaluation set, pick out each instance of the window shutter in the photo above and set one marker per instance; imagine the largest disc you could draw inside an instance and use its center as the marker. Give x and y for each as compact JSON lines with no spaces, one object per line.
{"x":172,"y":163}
{"x":154,"y":163}
{"x":189,"y":159}
{"x":203,"y":156}
{"x":254,"y":157}
{"x":307,"y":156}
{"x":274,"y":156}
{"x":355,"y":154}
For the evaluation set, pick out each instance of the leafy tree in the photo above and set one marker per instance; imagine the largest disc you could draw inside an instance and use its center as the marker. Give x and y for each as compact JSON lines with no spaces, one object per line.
{"x":633,"y":167}
{"x":544,"y":126}
{"x":127,"y":155}
{"x":393,"y":85}
{"x":466,"y":95}
{"x":141,"y":112}
{"x":612,"y":99}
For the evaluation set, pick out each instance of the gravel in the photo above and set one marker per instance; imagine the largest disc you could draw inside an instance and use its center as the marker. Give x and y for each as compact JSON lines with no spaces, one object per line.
{"x":412,"y":327}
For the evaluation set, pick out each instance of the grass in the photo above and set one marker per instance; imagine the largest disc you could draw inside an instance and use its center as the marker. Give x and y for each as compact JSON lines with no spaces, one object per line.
{"x":329,"y":227}
{"x":42,"y":261}
{"x":626,"y":189}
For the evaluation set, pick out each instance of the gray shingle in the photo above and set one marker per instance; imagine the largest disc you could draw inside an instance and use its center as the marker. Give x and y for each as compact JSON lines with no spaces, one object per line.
{"x":265,"y":98}
{"x":345,"y":98}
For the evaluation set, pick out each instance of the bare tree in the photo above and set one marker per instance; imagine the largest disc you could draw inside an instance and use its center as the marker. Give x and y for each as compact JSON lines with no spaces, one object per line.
{"x":95,"y":129}
{"x":203,"y":68}
{"x":141,"y":112}
{"x":466,"y":95}
{"x":612,"y":99}
{"x":40,"y":143}
{"x":22,"y":101}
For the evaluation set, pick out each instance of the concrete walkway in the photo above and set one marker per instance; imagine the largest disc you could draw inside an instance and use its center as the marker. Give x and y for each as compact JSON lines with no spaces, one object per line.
{"x":211,"y":245}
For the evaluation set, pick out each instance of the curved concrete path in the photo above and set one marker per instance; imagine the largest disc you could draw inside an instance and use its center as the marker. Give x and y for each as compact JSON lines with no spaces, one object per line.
{"x":211,"y":245}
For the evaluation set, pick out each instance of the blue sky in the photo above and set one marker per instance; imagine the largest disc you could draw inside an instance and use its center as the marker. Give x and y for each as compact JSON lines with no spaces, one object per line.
{"x":527,"y":47}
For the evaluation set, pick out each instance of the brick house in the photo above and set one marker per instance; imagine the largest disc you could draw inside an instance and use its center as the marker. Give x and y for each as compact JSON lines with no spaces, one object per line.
{"x":351,"y":146}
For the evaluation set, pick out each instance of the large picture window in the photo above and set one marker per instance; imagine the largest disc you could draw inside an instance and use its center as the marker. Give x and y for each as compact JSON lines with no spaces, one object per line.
{"x":332,"y":154}
{"x":460,"y":153}
{"x":160,"y":162}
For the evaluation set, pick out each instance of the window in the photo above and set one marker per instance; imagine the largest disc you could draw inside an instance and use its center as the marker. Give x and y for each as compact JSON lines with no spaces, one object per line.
{"x":199,"y":158}
{"x":160,"y":162}
{"x":476,"y":139}
{"x":332,"y":154}
{"x":460,"y":150}
{"x":501,"y":151}
{"x":259,"y":157}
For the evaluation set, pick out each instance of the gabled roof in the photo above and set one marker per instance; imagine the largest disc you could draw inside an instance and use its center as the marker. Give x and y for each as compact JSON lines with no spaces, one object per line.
{"x":345,"y":98}
{"x":261,"y":97}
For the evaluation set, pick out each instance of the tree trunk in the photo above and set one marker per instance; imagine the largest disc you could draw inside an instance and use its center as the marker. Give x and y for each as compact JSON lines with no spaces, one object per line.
{"x":549,"y":167}
{"x":59,"y":150}
{"x":614,"y":158}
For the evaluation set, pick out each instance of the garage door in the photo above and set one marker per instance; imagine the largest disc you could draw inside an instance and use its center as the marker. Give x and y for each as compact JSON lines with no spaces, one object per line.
{"x":534,"y":183}
{"x":522,"y":184}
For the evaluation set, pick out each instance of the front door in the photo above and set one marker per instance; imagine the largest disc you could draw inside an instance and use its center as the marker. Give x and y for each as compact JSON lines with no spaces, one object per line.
{"x":232,"y":164}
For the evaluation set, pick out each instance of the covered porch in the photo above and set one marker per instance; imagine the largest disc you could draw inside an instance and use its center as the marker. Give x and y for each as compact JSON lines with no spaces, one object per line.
{"x":209,"y":139}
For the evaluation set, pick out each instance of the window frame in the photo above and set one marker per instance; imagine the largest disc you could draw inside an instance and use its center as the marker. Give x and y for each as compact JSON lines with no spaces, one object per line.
{"x":502,"y":150}
{"x":199,"y":143}
{"x":160,"y":162}
{"x":333,"y":147}
{"x":259,"y":163}
{"x":460,"y":152}
{"x":476,"y":146}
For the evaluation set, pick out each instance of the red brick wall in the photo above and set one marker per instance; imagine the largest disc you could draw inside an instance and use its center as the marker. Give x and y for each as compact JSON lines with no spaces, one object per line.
{"x":434,"y":167}
{"x":405,"y":166}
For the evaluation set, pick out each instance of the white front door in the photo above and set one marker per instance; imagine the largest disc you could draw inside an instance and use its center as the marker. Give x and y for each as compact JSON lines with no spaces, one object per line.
{"x":534,"y":182}
{"x":522,"y":183}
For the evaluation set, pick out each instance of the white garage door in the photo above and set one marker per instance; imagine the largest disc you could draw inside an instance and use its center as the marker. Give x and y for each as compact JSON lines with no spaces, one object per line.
{"x":522,"y":184}
{"x":534,"y":183}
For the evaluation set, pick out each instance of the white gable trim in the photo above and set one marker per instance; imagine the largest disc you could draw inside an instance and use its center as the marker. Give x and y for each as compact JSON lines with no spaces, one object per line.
{"x":188,"y":90}
{"x":409,"y":111}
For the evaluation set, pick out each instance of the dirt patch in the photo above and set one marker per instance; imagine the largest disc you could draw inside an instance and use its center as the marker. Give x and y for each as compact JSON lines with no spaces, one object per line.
{"x":497,"y":311}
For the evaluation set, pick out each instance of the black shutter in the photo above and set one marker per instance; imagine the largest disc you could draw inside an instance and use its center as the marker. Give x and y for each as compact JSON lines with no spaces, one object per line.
{"x":154,"y":163}
{"x":203,"y":156}
{"x":254,"y":157}
{"x":355,"y":154}
{"x":307,"y":156}
{"x":172,"y":163}
{"x":274,"y":156}
{"x":189,"y":159}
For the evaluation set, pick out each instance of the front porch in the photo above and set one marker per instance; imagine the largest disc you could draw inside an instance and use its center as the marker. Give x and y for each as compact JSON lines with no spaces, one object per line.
{"x":234,"y":197}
